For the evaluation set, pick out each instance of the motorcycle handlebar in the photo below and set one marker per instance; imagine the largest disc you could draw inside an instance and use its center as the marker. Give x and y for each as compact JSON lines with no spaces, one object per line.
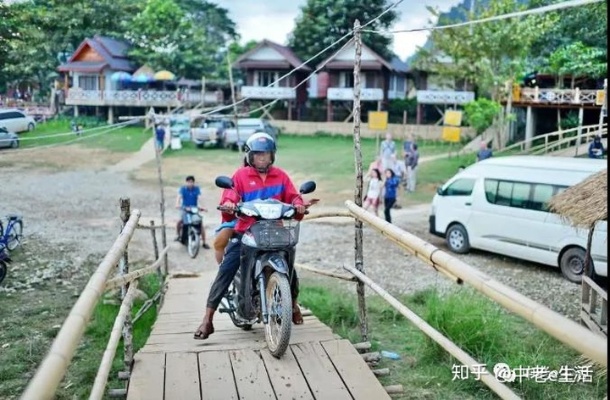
{"x":228,"y":209}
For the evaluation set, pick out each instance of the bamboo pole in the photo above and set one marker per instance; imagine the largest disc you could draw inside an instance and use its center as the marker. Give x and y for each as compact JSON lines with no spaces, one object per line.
{"x":556,"y":325}
{"x":358,"y":237}
{"x":501,"y":390}
{"x":130,"y":277}
{"x":332,"y":274}
{"x":125,"y":205}
{"x":229,"y":66}
{"x":53,"y":367}
{"x":327,"y":214}
{"x":162,"y":202}
{"x":99,"y":386}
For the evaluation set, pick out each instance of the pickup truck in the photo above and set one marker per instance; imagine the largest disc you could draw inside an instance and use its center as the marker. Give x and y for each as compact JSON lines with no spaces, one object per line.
{"x":211,"y":130}
{"x":247,"y":127}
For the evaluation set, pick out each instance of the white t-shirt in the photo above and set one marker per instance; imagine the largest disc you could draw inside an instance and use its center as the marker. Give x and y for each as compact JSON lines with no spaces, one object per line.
{"x":374,"y":189}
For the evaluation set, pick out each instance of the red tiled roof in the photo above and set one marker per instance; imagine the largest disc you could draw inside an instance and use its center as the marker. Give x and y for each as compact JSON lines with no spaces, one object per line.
{"x":286,"y":52}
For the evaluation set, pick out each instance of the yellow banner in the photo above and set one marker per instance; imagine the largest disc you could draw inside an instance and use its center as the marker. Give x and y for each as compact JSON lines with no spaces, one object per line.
{"x":453,"y":118}
{"x":600,"y":97}
{"x":451,"y":134}
{"x":378,"y":120}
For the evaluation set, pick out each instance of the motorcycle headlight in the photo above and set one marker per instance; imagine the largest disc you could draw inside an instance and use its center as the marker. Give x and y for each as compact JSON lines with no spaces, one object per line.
{"x":269,"y":211}
{"x":289,"y":213}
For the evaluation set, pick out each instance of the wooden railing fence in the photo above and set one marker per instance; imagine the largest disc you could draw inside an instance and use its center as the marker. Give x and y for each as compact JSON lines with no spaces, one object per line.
{"x":51,"y":371}
{"x":593,"y":346}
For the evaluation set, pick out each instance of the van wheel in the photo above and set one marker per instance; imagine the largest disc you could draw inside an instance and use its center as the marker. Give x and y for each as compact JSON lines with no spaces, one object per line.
{"x":30,"y":127}
{"x":572,"y":264}
{"x":457,"y":239}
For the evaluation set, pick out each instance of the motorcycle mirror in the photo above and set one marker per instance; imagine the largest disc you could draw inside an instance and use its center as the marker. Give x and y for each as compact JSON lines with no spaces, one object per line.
{"x":307,"y":187}
{"x":224,"y":182}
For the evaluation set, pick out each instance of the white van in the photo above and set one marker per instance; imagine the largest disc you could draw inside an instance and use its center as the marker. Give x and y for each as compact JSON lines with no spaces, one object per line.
{"x":16,"y":121}
{"x":500,"y":205}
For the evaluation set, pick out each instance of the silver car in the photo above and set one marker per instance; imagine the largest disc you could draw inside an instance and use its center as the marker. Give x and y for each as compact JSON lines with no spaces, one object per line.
{"x":8,"y":139}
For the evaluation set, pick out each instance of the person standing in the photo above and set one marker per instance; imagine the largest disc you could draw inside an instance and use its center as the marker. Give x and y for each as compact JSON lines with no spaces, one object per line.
{"x":389,"y":198}
{"x":387,"y":150}
{"x":413,"y":161}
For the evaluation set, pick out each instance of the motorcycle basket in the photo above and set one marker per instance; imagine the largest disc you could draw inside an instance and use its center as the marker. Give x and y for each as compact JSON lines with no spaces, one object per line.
{"x":275,"y":234}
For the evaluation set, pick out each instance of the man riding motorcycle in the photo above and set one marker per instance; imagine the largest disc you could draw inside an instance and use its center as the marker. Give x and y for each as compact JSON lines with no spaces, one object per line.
{"x":258,"y":180}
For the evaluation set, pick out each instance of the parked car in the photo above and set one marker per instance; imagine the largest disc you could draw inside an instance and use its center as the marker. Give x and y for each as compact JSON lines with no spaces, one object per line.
{"x":211,"y":130}
{"x":16,"y":121}
{"x":8,"y":139}
{"x":247,"y":127}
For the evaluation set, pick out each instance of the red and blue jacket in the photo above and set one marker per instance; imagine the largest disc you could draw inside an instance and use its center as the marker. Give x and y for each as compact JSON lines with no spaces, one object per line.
{"x":249,"y":185}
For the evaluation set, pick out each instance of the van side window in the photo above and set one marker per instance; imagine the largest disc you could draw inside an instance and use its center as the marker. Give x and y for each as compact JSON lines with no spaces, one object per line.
{"x":505,"y":191}
{"x":521,"y":194}
{"x":541,"y":196}
{"x":461,"y":187}
{"x":491,"y":190}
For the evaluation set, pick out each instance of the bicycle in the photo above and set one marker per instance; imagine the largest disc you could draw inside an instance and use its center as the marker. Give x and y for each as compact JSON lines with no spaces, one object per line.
{"x":11,"y":236}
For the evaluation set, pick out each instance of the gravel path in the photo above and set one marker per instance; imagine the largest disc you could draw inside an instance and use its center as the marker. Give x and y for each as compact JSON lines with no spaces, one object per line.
{"x":76,"y":209}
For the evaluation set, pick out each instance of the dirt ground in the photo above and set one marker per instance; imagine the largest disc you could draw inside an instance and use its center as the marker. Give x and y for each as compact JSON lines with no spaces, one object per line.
{"x":69,"y":198}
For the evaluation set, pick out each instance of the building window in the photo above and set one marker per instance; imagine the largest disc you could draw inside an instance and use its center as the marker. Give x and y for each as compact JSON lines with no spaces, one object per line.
{"x":88,"y":82}
{"x":266,"y":78}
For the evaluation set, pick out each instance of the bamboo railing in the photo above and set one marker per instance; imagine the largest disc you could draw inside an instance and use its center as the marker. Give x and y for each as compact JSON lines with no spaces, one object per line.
{"x":578,"y":337}
{"x":51,"y":371}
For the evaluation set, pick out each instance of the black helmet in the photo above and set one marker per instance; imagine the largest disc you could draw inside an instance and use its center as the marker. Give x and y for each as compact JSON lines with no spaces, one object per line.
{"x":260,"y":142}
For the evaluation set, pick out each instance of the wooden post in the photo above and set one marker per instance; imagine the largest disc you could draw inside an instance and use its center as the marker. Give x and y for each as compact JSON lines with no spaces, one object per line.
{"x":124,"y":270}
{"x":202,"y":102}
{"x":359,"y":264}
{"x":233,"y":99}
{"x":162,"y":203}
{"x":156,"y":248}
{"x":125,"y":205}
{"x":588,"y":251}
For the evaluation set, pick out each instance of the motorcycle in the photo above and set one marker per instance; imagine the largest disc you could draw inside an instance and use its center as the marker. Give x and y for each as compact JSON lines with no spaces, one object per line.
{"x":191,"y":230}
{"x":4,"y":261}
{"x":260,"y":291}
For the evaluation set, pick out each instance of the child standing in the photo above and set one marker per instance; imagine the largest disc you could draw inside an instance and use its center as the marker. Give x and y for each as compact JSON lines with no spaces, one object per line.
{"x":390,"y":188}
{"x":374,"y":191}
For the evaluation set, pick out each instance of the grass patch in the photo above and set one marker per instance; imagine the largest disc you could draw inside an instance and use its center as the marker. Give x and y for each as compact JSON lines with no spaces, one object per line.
{"x":31,"y":320}
{"x":127,"y":139}
{"x":477,"y":325}
{"x":330,"y":161}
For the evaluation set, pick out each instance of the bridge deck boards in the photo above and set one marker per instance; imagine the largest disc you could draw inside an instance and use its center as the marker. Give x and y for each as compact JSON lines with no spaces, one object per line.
{"x":235,"y":364}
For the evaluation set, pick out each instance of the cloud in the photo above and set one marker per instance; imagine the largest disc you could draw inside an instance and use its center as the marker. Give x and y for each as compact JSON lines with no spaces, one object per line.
{"x":274,"y":19}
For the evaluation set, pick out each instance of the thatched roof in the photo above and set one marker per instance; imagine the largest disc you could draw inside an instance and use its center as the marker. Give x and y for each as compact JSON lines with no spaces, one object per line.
{"x":585,"y":203}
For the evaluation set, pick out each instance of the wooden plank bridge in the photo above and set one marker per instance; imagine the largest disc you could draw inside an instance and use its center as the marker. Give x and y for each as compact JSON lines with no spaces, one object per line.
{"x":235,"y":364}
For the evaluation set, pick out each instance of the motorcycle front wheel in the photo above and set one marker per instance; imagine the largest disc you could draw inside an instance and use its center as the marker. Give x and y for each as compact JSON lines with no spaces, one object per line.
{"x":279,"y":308}
{"x":193,"y":242}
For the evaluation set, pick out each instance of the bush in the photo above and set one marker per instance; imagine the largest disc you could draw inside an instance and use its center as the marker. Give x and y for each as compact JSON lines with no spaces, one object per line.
{"x":480,"y":114}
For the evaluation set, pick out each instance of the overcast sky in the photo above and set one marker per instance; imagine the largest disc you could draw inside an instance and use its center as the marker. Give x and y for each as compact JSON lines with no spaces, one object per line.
{"x":274,"y":19}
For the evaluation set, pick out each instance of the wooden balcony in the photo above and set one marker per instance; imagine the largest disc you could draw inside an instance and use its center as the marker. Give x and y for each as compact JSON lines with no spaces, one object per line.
{"x":555,"y":96}
{"x":138,"y":98}
{"x":268,"y":93}
{"x":347,"y":94}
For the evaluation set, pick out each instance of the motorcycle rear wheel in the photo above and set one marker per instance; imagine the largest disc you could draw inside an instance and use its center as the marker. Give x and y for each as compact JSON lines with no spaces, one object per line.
{"x":279,"y":308}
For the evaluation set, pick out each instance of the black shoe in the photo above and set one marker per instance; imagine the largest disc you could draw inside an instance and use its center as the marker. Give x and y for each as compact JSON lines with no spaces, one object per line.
{"x":205,"y":246}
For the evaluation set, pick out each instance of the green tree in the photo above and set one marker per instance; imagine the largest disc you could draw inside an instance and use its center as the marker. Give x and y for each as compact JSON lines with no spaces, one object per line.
{"x":488,"y":54}
{"x":47,"y":28}
{"x":587,"y":24}
{"x":321,"y":22}
{"x":164,"y":37}
{"x":481,"y":113}
{"x":579,"y":61}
